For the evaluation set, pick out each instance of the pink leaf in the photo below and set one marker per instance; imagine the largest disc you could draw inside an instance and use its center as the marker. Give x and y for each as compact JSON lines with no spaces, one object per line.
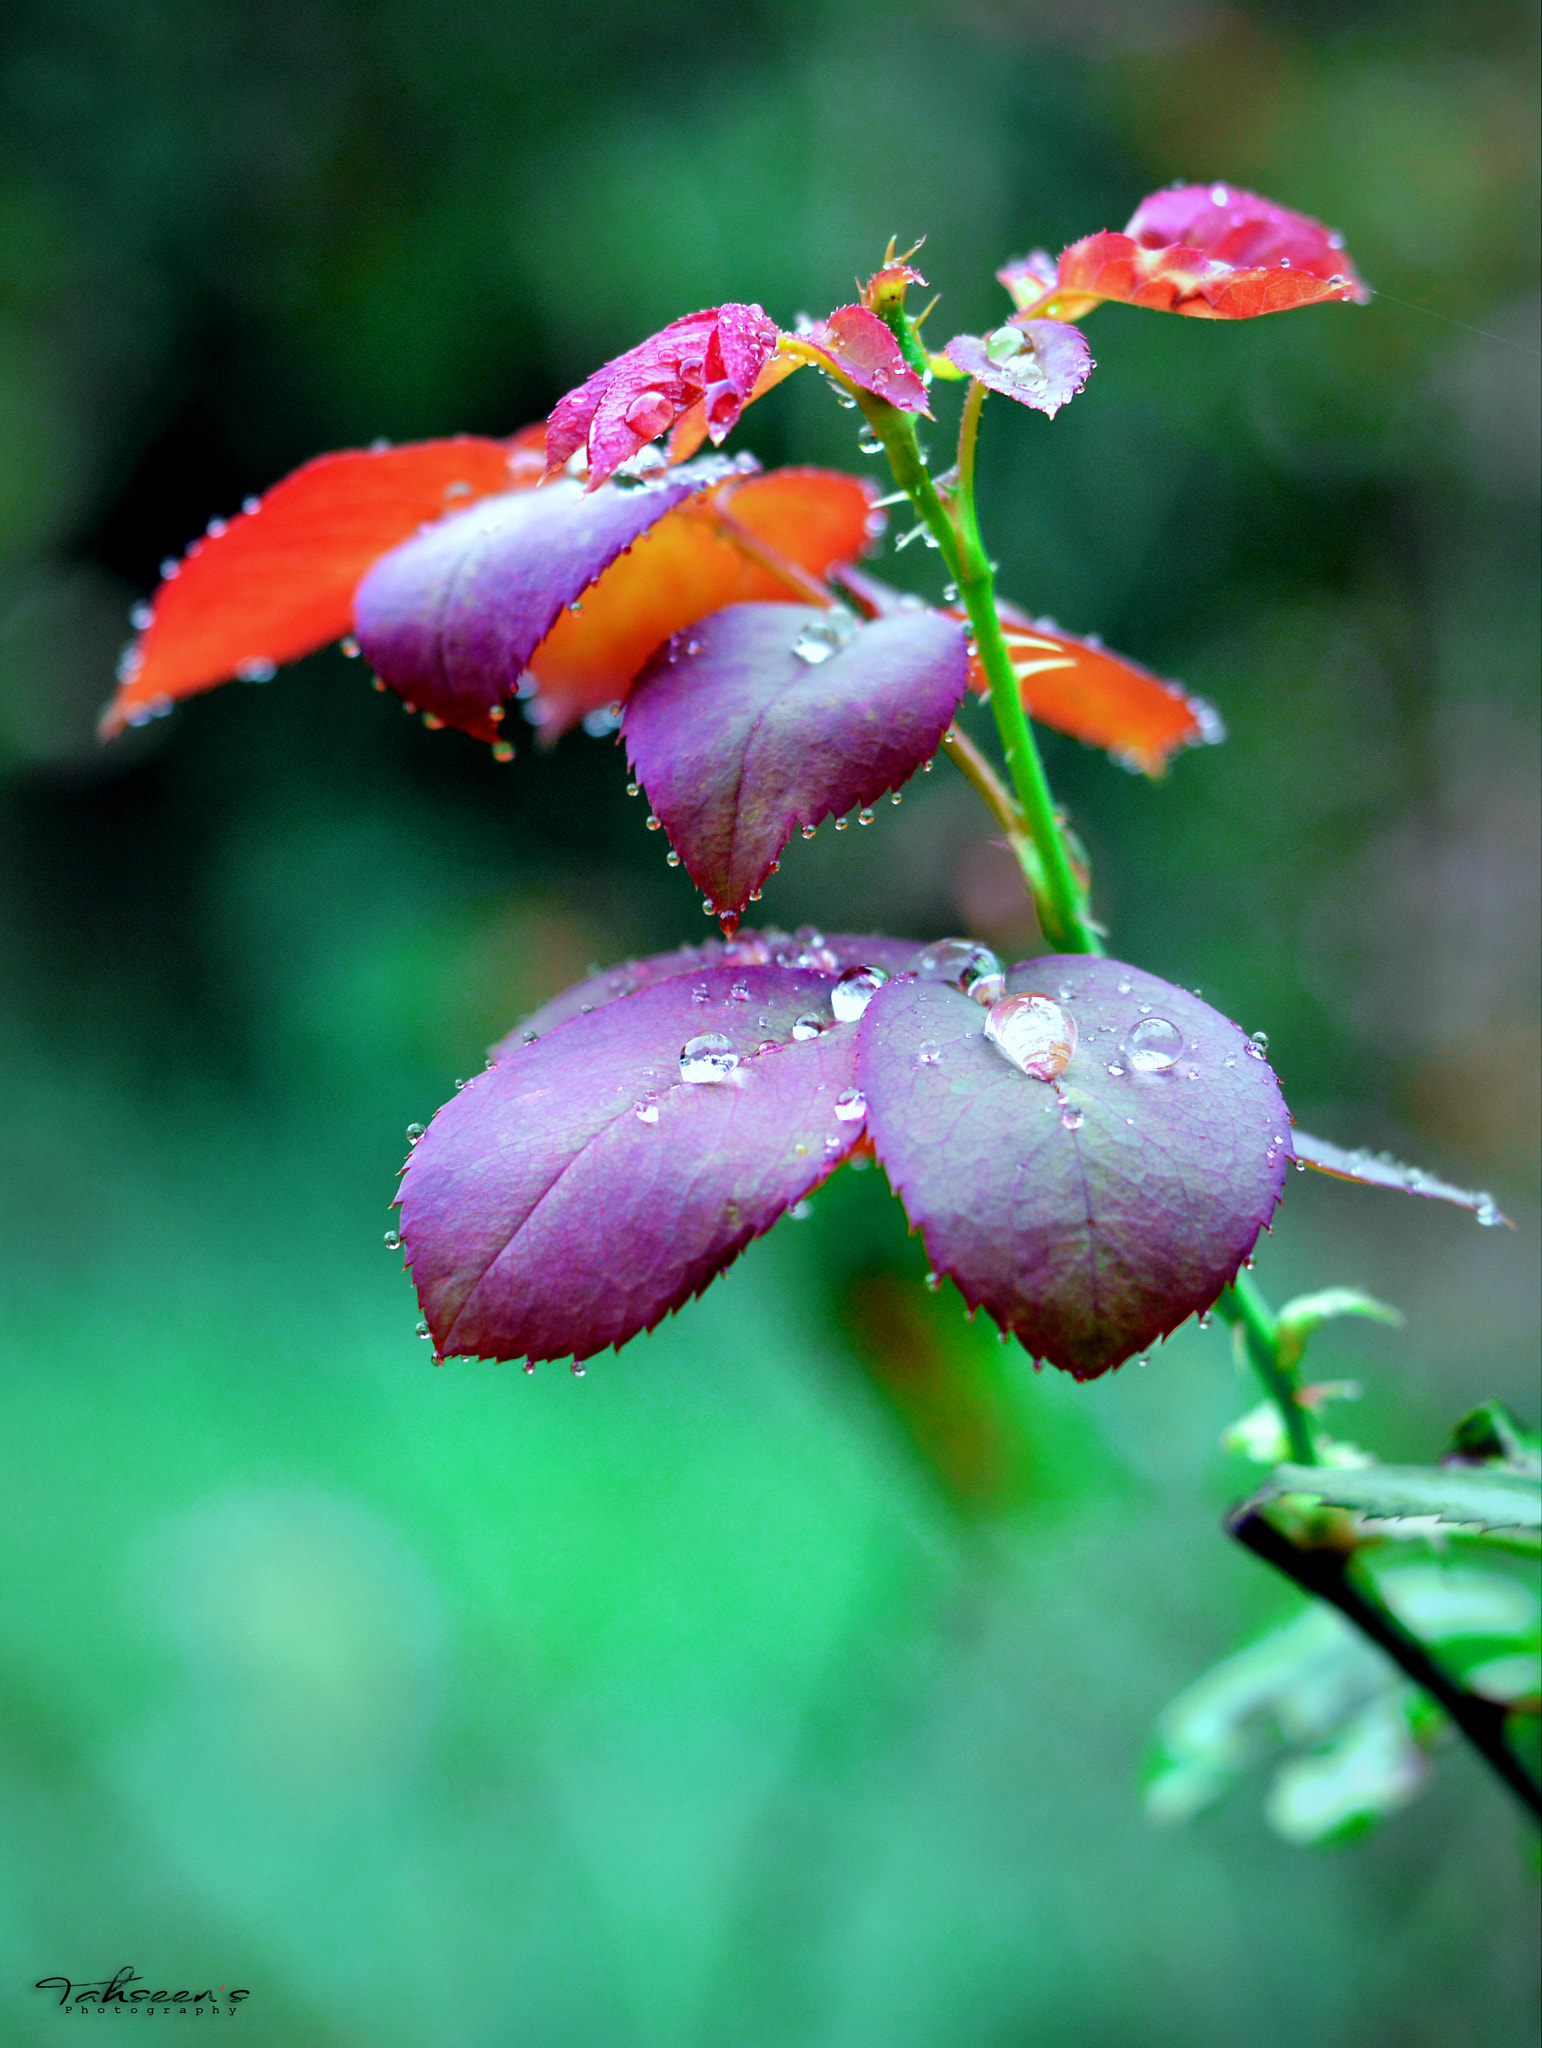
{"x":1040,"y":363}
{"x":710,"y":360}
{"x":857,"y":343}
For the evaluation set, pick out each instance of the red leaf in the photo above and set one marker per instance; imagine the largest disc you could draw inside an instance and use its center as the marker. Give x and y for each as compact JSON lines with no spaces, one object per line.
{"x":1211,"y":251}
{"x":1104,"y":699}
{"x":857,"y":343}
{"x":712,"y":360}
{"x":1040,"y":363}
{"x":683,"y":569}
{"x":277,"y":581}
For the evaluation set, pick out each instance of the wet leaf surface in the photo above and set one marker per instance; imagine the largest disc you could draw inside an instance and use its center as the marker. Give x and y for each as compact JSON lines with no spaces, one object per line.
{"x":451,"y":619}
{"x":1092,"y":1214}
{"x":1381,"y":1170}
{"x":581,"y":1189}
{"x":767,"y":717}
{"x":827,"y":953}
{"x":278,"y":579}
{"x":1039,"y":363}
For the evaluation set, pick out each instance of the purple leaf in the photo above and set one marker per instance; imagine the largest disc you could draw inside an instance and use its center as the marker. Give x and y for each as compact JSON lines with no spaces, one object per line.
{"x":805,"y":947}
{"x":1042,"y":363}
{"x":1093,"y":1212}
{"x":765,"y":717}
{"x":581,"y":1189}
{"x":1381,"y":1170}
{"x":451,"y":619}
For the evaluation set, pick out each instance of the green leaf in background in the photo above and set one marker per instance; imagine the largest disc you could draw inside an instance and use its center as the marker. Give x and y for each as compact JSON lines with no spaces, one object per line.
{"x":1355,"y":1731}
{"x":1451,"y":1495}
{"x":1491,"y":1435}
{"x":1308,"y":1312}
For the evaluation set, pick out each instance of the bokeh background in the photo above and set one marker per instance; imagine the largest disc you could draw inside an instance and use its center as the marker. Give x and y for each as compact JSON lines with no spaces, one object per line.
{"x":784,"y":1680}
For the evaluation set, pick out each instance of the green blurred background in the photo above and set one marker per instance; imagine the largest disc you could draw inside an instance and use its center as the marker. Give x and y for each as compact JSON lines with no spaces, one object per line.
{"x":784,"y":1680}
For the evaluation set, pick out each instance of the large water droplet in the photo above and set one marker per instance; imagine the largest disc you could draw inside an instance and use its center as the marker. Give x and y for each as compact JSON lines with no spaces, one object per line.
{"x":851,"y":1105}
{"x":1153,"y":1046}
{"x":967,"y":964}
{"x":1005,"y":343}
{"x":1034,"y":1033}
{"x":820,"y":639}
{"x":854,"y":991}
{"x":709,"y":1057}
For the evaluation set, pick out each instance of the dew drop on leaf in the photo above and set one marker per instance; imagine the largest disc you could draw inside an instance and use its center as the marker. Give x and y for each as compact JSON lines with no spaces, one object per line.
{"x":1071,"y":1118}
{"x":854,"y":991}
{"x":393,"y":1240}
{"x":1153,"y":1046}
{"x":708,"y":1057}
{"x":1034,"y":1033}
{"x":646,"y":1111}
{"x":968,"y":965}
{"x":851,"y":1105}
{"x":928,"y":1053}
{"x":807,"y":1026}
{"x":414,"y":1132}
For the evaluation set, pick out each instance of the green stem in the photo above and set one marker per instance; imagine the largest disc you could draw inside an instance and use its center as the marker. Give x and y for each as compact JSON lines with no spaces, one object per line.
{"x":1246,"y":1310}
{"x":1057,"y":894}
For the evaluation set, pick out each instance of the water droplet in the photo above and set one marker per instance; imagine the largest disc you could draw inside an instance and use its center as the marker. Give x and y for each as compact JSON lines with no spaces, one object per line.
{"x":933,"y":1282}
{"x":841,"y":824}
{"x":654,"y":824}
{"x":349,"y":646}
{"x":1488,"y":1213}
{"x":257,"y":670}
{"x":1004,"y":344}
{"x":897,"y":798}
{"x":579,"y":1371}
{"x":1143,"y":1361}
{"x":1071,"y":1118}
{"x":1219,"y":196}
{"x":393,"y":1240}
{"x":1257,"y":1046}
{"x":634,"y":789}
{"x":414,"y":1132}
{"x":1034,"y":1033}
{"x":968,"y":965}
{"x":671,"y":859}
{"x":423,"y":1329}
{"x":1116,"y":1070}
{"x":928,"y":1053}
{"x":709,"y":1057}
{"x":739,"y":992}
{"x":1123,"y":988}
{"x":800,"y":1212}
{"x":646,"y":1111}
{"x":503,"y":750}
{"x":1144,"y":1009}
{"x":1204,"y":1320}
{"x":864,"y":817}
{"x":1191,"y":1073}
{"x":868,"y":443}
{"x":926,"y":767}
{"x":807,"y":1026}
{"x":1153,"y":1046}
{"x":822,"y":637}
{"x":1248,"y":1265}
{"x":854,"y":991}
{"x":808,"y":831}
{"x":431,"y":723}
{"x":851,"y":1105}
{"x":529,"y":1365}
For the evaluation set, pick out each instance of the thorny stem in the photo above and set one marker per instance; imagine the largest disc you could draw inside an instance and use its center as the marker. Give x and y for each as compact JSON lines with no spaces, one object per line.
{"x":1058,"y":898}
{"x":1324,"y":1573}
{"x":1245,"y":1309}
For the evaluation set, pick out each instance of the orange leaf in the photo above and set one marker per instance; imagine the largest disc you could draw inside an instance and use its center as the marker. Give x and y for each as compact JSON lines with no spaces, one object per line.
{"x":685,"y":568}
{"x":1078,"y":687}
{"x":277,"y":581}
